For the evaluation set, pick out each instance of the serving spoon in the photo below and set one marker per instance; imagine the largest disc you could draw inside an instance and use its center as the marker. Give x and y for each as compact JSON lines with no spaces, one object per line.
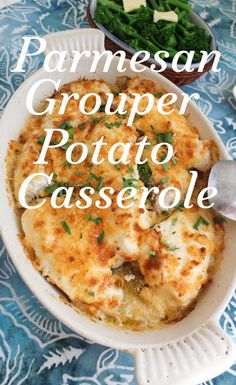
{"x":223,"y":178}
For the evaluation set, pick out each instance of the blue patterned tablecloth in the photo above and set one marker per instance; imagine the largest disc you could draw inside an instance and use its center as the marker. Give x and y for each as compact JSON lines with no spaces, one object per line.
{"x":35,"y":348}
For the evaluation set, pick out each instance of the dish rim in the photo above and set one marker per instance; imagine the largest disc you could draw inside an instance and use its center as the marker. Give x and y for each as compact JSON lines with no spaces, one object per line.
{"x":169,"y":87}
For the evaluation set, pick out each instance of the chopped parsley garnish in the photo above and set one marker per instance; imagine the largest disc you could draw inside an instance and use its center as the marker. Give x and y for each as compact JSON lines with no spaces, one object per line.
{"x":41,"y":140}
{"x":115,"y":93}
{"x":99,"y":179}
{"x":112,"y":125}
{"x":131,"y":169}
{"x":164,"y":180}
{"x":92,"y":294}
{"x":174,"y":220}
{"x":158,"y":94}
{"x":81,"y":126}
{"x":137,"y":117}
{"x":117,"y":166}
{"x":71,"y":132}
{"x":165,"y":165}
{"x":83,"y":184}
{"x":180,"y":205}
{"x":96,"y":220}
{"x":50,"y":189}
{"x":66,"y":227}
{"x":96,"y":119}
{"x":171,"y":248}
{"x":66,"y":146}
{"x":101,"y":237}
{"x":174,"y":248}
{"x":130,"y":182}
{"x":165,"y":213}
{"x":145,"y":174}
{"x":66,"y":125}
{"x":68,"y":164}
{"x":165,"y":137}
{"x":199,"y":222}
{"x":102,"y":108}
{"x":166,"y":244}
{"x":152,"y":254}
{"x":151,"y":144}
{"x":174,"y":161}
{"x":77,"y":173}
{"x":218,"y":219}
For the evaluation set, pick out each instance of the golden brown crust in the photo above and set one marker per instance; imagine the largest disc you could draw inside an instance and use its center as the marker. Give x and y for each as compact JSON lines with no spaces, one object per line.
{"x":120,"y":267}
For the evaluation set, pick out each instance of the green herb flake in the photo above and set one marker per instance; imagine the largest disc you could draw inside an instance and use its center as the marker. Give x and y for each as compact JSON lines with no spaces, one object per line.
{"x":131,"y":169}
{"x":66,"y":125}
{"x":165,"y":165}
{"x":117,"y":166}
{"x":101,"y":237}
{"x":145,"y":174}
{"x":66,"y":146}
{"x":115,"y":93}
{"x":174,"y":220}
{"x":96,"y":220}
{"x":83,"y":184}
{"x":164,"y":180}
{"x":201,"y":220}
{"x":152,"y":254}
{"x":130,"y":182}
{"x":180,"y":205}
{"x":169,"y":247}
{"x":218,"y":219}
{"x":66,"y":227}
{"x":77,"y":173}
{"x":158,"y":94}
{"x":92,"y":294}
{"x":41,"y":140}
{"x":68,"y":164}
{"x":50,"y":189}
{"x":96,"y":119}
{"x":165,"y":213}
{"x":99,"y":179}
{"x":71,"y":132}
{"x":166,"y":244}
{"x":112,"y":125}
{"x":81,"y":126}
{"x":151,"y":144}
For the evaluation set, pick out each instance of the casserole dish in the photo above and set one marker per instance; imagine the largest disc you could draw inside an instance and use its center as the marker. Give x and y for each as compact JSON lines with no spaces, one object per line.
{"x":114,"y":44}
{"x":187,"y":352}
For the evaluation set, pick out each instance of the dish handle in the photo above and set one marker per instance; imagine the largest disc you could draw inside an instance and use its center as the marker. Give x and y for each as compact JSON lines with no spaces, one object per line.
{"x":189,"y":361}
{"x":79,"y":39}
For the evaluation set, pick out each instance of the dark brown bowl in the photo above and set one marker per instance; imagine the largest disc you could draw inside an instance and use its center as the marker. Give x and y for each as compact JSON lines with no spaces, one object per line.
{"x":112,"y":44}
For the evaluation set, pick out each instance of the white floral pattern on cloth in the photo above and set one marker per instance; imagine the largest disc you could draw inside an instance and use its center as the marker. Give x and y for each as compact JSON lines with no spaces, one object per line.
{"x":35,"y":348}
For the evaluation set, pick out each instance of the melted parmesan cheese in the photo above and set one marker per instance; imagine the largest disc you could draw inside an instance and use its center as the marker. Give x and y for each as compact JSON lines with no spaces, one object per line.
{"x":137,"y":268}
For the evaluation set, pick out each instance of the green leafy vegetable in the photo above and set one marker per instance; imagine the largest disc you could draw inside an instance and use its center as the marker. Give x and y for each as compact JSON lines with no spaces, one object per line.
{"x":138,"y":30}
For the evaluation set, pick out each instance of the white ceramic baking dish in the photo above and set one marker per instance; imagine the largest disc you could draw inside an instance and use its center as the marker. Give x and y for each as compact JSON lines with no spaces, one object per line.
{"x":186,"y":353}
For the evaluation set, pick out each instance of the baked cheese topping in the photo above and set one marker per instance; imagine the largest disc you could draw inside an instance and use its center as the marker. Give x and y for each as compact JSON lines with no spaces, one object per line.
{"x":135,"y":268}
